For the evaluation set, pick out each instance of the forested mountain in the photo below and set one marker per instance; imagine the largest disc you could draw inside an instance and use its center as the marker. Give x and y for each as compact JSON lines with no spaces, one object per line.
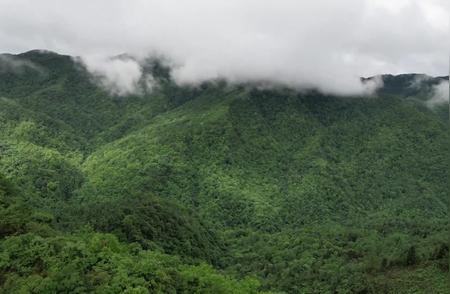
{"x":218,"y":187}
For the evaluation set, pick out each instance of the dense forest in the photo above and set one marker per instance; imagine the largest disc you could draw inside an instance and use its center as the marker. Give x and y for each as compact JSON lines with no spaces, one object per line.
{"x":218,"y":187}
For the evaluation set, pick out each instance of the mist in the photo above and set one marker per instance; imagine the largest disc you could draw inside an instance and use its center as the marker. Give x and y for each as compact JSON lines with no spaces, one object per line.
{"x":324,"y":44}
{"x":120,"y":76}
{"x":440,"y":94}
{"x":10,"y":63}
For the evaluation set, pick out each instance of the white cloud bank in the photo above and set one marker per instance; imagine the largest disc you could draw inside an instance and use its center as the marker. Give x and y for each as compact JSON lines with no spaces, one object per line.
{"x":327,"y":44}
{"x":118,"y":75}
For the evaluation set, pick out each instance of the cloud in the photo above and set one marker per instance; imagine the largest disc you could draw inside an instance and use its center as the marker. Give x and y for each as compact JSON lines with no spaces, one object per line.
{"x":419,"y":82}
{"x":440,"y":94}
{"x":10,"y":63}
{"x":326,"y":44}
{"x":119,"y":75}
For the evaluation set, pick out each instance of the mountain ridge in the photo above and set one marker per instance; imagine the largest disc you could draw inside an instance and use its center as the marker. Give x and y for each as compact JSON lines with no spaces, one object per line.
{"x":289,"y":186}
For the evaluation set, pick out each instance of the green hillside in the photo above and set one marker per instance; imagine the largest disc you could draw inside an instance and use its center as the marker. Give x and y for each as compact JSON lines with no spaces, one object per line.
{"x":218,"y":188}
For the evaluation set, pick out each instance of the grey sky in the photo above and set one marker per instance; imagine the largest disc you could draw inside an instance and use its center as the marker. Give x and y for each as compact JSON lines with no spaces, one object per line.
{"x":325,"y":43}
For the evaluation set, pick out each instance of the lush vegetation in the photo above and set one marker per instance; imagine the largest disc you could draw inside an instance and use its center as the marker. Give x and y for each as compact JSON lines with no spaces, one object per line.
{"x":218,"y":188}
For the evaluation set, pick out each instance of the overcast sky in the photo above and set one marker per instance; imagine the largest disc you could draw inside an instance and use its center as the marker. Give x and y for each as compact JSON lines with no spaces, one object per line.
{"x":330,"y":43}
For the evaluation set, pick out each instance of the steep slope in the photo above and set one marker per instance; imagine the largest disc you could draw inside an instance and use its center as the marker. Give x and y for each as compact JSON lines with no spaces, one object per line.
{"x":310,"y":193}
{"x":52,"y":115}
{"x":35,"y":258}
{"x":267,"y":166}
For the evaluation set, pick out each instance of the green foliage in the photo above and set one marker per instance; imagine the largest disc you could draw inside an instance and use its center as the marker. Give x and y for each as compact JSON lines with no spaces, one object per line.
{"x":98,"y":263}
{"x":153,"y":223}
{"x":40,"y":172}
{"x":16,"y":216}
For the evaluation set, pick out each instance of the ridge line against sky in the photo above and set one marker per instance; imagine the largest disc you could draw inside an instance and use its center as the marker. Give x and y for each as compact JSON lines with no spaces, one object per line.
{"x":322,"y":43}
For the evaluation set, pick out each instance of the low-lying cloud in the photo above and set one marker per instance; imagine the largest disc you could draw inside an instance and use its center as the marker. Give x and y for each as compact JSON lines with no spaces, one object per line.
{"x":440,"y":94}
{"x":325,"y":44}
{"x":120,"y":76}
{"x":9,"y":63}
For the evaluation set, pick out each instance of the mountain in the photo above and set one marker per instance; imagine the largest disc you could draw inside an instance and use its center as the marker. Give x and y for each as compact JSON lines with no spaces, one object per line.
{"x":218,"y":188}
